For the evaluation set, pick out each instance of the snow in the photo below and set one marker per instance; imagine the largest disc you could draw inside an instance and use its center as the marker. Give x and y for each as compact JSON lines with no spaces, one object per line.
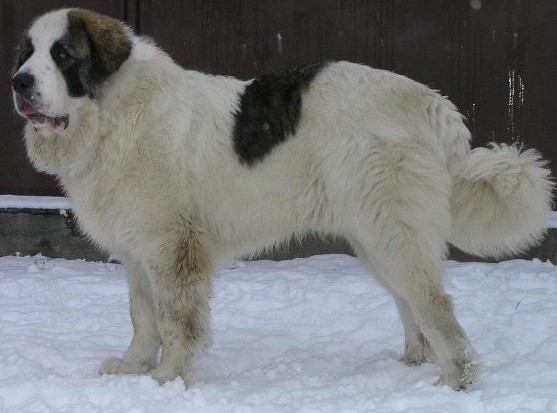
{"x":34,"y":202}
{"x":314,"y":335}
{"x":552,"y":219}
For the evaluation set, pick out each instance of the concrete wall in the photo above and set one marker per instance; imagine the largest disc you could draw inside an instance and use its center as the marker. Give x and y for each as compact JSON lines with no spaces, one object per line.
{"x":55,"y":234}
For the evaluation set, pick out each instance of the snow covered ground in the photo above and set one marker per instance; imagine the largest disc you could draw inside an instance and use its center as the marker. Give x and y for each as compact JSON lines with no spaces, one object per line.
{"x":310,"y":335}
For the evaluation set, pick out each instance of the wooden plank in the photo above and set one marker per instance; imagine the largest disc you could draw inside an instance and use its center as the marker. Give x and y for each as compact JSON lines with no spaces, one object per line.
{"x":540,"y":80}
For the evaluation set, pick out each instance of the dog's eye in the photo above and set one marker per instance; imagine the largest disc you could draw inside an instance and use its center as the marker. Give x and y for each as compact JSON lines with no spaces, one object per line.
{"x":61,"y":55}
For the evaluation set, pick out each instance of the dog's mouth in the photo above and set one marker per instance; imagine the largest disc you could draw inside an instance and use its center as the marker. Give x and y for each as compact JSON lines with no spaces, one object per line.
{"x":59,"y":123}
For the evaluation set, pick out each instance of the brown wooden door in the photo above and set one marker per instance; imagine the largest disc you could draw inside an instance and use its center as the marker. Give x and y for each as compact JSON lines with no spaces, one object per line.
{"x":496,"y":59}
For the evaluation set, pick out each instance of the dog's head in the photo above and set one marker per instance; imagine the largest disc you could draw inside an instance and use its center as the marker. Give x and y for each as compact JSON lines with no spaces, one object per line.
{"x":62,"y":60}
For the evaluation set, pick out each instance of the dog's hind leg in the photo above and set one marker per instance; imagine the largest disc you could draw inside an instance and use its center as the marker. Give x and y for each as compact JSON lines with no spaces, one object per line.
{"x":433,"y":310}
{"x":180,"y":272}
{"x":402,"y":229}
{"x":431,"y":329}
{"x":417,"y":349}
{"x":141,"y":355}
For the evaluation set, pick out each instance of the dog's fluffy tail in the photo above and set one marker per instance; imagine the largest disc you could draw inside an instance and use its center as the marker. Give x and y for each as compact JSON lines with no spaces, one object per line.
{"x":500,"y":200}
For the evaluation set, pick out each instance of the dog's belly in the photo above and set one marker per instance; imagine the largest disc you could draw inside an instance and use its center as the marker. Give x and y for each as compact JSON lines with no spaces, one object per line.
{"x":249,"y":209}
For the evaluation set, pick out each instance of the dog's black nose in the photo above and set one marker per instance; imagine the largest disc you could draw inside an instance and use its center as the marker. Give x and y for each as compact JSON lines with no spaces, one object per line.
{"x":23,"y":83}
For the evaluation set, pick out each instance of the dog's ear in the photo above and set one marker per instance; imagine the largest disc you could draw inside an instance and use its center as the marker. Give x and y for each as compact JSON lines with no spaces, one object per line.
{"x":108,"y":41}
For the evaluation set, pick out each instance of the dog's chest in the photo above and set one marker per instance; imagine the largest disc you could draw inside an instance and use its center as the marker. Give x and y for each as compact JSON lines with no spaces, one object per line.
{"x":103,"y":222}
{"x":102,"y":211}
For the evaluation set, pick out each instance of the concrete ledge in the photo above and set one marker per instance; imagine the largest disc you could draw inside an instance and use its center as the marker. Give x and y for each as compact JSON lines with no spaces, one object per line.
{"x":54,"y":234}
{"x":50,"y":232}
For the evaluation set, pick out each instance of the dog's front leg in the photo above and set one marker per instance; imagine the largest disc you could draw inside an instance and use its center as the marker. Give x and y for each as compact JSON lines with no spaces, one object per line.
{"x":142,"y":353}
{"x":181,"y":281}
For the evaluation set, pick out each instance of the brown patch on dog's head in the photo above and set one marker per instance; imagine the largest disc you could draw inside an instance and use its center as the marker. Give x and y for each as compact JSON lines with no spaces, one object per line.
{"x":105,"y":40}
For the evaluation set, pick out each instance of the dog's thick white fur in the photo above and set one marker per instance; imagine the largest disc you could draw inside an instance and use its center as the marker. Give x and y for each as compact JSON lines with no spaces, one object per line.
{"x":149,"y":165}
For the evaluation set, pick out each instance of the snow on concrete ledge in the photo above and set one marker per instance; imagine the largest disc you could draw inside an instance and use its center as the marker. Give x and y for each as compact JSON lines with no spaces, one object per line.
{"x":33,"y":202}
{"x":58,"y":202}
{"x":552,"y":219}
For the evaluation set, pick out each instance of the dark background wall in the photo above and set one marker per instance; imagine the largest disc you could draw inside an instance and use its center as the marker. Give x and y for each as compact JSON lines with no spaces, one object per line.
{"x":496,"y":59}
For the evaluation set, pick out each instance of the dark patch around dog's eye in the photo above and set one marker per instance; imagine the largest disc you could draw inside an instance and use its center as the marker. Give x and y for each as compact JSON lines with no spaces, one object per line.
{"x":24,"y":51}
{"x":93,"y":48}
{"x":61,"y":54}
{"x":102,"y":44}
{"x":269,"y":111}
{"x":70,"y":67}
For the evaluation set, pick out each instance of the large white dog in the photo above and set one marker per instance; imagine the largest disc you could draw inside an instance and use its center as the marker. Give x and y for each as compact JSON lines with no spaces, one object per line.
{"x":172,"y":169}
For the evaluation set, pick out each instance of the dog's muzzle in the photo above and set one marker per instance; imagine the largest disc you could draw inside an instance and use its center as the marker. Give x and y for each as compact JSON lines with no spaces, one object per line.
{"x":24,"y":85}
{"x":27,"y":104}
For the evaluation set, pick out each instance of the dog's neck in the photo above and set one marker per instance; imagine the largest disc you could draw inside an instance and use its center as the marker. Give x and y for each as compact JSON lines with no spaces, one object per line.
{"x":69,"y":154}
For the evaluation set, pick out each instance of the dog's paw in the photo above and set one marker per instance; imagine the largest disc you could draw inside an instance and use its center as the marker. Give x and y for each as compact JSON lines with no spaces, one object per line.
{"x":162,"y":375}
{"x":462,"y":378}
{"x":414,"y":359}
{"x":115,"y":365}
{"x":417,"y":353}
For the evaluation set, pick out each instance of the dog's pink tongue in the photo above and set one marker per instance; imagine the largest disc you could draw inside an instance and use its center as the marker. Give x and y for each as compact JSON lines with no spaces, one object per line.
{"x":27,"y":109}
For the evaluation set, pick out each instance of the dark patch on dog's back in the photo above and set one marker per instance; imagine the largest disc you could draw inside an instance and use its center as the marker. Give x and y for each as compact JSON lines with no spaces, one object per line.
{"x":269,"y":111}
